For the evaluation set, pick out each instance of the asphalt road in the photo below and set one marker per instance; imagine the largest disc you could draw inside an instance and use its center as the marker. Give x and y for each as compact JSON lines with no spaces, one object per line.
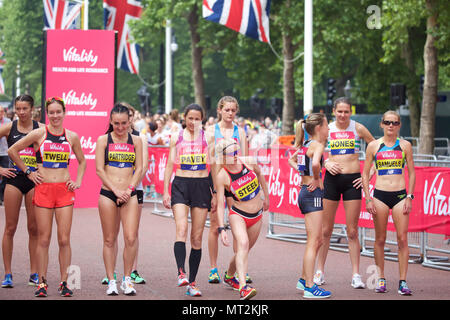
{"x":274,"y":266}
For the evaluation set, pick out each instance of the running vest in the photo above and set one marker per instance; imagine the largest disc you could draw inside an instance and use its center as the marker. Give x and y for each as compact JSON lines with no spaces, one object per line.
{"x":343,"y":142}
{"x":192,"y":154}
{"x":304,"y":163}
{"x":244,"y":185}
{"x":28,"y":155}
{"x":120,"y":155}
{"x":54,"y":151}
{"x":390,"y":160}
{"x":219,"y":136}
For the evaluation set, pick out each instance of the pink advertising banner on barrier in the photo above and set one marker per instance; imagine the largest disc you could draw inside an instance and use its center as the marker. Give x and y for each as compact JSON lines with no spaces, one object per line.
{"x":431,"y":206}
{"x":80,"y":68}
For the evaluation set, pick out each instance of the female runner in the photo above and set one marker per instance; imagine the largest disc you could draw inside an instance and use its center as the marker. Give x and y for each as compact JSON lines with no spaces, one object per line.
{"x":118,"y":160}
{"x":242,"y":177}
{"x":308,"y":161}
{"x":190,"y":190}
{"x":227,"y":108}
{"x":54,"y":190}
{"x":390,"y":154}
{"x":18,"y":186}
{"x":343,"y":177}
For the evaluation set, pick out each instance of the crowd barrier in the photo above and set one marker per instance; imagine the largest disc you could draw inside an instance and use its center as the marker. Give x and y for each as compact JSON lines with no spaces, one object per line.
{"x":429,"y":225}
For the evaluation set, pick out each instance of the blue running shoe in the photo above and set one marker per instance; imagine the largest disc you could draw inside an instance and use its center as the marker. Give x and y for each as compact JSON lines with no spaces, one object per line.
{"x":34,"y":280}
{"x":315,"y":293}
{"x":301,"y":284}
{"x":214,"y":276}
{"x":7,"y":283}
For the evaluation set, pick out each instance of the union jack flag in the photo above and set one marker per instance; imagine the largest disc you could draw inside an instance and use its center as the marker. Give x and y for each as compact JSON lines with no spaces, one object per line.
{"x":116,"y":15}
{"x":60,"y":14}
{"x":249,"y":17}
{"x":2,"y":62}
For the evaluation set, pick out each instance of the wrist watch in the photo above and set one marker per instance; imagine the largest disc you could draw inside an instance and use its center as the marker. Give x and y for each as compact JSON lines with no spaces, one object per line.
{"x":220,"y":229}
{"x":28,"y":171}
{"x":411,"y":196}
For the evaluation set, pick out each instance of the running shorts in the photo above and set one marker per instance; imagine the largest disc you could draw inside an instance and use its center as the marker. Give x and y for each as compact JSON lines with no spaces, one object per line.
{"x":110,"y":195}
{"x":389,"y":198}
{"x":310,"y":201}
{"x":192,"y":192}
{"x":341,"y":184}
{"x":53,"y":195}
{"x":21,"y":182}
{"x":249,"y":218}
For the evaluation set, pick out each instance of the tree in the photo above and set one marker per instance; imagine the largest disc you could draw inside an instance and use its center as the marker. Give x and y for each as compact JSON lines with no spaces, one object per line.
{"x":21,"y":26}
{"x":403,"y":40}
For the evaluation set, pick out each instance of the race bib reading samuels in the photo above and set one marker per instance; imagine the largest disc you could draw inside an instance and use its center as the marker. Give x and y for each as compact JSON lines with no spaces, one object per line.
{"x":342,"y":142}
{"x":389,"y":162}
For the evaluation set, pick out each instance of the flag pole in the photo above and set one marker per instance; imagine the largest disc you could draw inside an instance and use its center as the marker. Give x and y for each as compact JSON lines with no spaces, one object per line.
{"x":308,"y":59}
{"x":168,"y":102}
{"x":85,"y":15}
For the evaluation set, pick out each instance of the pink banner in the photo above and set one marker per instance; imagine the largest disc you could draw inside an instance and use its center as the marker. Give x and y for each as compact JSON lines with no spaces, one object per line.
{"x":431,"y":206}
{"x":80,"y":68}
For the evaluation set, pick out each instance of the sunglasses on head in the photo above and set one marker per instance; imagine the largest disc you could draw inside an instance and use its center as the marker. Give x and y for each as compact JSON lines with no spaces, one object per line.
{"x":388,"y":123}
{"x":53,"y":99}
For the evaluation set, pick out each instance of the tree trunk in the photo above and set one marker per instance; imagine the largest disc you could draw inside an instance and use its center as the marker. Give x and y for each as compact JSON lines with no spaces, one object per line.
{"x":197,"y":54}
{"x":412,"y":87}
{"x":288,"y":87}
{"x":427,"y":120}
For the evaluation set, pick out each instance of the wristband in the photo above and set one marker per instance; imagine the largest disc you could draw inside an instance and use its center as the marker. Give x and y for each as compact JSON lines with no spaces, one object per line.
{"x":213,"y":191}
{"x":220,"y":229}
{"x":131,"y":187}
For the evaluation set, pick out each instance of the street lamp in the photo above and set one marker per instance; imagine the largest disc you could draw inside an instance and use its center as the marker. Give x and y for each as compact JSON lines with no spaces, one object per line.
{"x":348,"y":89}
{"x":171,"y":47}
{"x":144,"y":97}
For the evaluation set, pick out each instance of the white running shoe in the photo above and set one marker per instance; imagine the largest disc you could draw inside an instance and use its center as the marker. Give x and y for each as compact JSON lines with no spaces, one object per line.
{"x":127,"y":287}
{"x":357,"y":283}
{"x":193,"y":291}
{"x":112,"y":288}
{"x":318,"y":278}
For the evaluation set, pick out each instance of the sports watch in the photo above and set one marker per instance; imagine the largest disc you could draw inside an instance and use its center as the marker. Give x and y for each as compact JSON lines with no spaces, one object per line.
{"x":411,"y":196}
{"x":28,"y":171}
{"x":220,"y":229}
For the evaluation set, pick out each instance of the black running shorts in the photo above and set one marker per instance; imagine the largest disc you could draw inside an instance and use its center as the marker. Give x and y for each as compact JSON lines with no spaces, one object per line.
{"x":341,"y":184}
{"x":192,"y":192}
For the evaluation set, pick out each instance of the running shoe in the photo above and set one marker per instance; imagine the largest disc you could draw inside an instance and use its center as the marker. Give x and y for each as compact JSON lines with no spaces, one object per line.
{"x":112,"y":288}
{"x":381,"y":286}
{"x":193,"y":291}
{"x":136,"y":278}
{"x":106,"y":280}
{"x":41,"y":292}
{"x":247,"y":292}
{"x":231,"y":281}
{"x":182,"y":279}
{"x":301,"y":284}
{"x":64,"y":291}
{"x":214,"y":276}
{"x":315,"y":293}
{"x":318,"y":278}
{"x":7,"y":283}
{"x":403,"y":289}
{"x":34,"y":280}
{"x":127,"y":287}
{"x":357,"y":283}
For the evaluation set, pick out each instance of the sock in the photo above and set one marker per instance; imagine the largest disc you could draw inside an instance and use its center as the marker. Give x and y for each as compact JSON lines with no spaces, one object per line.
{"x":179,"y":248}
{"x":194,"y":263}
{"x":401,"y":282}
